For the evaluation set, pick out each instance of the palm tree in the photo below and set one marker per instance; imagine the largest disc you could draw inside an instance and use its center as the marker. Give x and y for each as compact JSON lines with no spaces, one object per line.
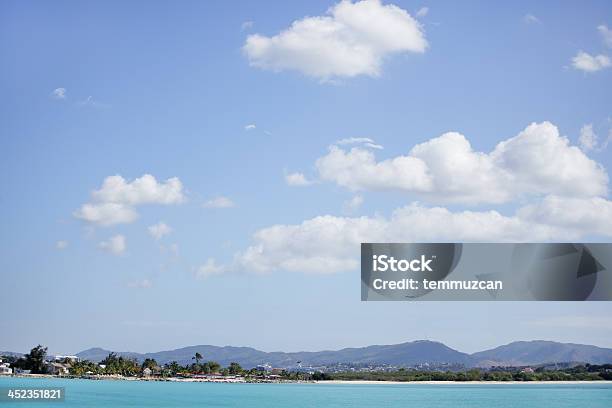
{"x":197,"y":357}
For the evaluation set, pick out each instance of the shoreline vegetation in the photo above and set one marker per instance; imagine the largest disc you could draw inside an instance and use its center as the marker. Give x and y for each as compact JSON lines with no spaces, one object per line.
{"x":281,"y":381}
{"x":35,"y":364}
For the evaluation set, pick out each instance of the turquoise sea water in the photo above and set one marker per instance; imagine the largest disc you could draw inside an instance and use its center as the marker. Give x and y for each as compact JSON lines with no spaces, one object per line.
{"x":118,"y":394}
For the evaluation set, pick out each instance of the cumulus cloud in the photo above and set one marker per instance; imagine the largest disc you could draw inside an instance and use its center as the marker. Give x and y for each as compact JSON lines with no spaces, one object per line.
{"x":61,"y":245}
{"x":159,"y":230}
{"x":115,"y":202}
{"x":329,"y":244}
{"x":297,"y":180}
{"x":351,"y":39}
{"x":592,"y":215}
{"x":586,"y":62}
{"x":538,"y":161}
{"x":219,"y":202}
{"x":357,"y":169}
{"x":106,"y":214}
{"x":59,"y":93}
{"x":606,"y":34}
{"x":115,"y":245}
{"x":143,"y":190}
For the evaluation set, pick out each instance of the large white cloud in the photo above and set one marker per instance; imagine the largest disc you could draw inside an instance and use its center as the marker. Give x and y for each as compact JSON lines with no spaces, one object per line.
{"x":330,"y":244}
{"x":538,"y":161}
{"x":352,"y":39}
{"x":115,"y":202}
{"x":592,"y":215}
{"x":567,"y":191}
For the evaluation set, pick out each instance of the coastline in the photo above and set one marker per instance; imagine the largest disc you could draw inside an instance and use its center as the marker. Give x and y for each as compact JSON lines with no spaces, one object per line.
{"x":329,"y":382}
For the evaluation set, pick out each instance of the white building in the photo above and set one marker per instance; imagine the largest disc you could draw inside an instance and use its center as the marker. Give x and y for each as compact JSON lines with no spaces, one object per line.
{"x":5,"y":369}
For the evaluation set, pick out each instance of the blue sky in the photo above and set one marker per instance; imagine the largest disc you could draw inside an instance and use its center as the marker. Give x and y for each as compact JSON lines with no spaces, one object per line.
{"x":169,"y":90}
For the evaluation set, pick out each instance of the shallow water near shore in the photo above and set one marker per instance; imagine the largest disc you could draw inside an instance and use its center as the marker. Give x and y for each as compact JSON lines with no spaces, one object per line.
{"x":119,"y":394}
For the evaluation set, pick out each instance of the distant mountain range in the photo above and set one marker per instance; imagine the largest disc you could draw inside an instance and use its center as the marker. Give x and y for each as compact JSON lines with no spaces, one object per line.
{"x":520,"y":353}
{"x":542,"y":352}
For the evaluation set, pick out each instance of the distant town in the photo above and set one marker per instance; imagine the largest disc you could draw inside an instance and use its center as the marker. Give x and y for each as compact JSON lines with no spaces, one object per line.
{"x":38,"y":363}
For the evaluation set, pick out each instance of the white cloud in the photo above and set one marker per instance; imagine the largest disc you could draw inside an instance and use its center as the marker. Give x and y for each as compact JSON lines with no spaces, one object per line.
{"x":141,"y":284}
{"x":143,"y":190}
{"x":250,"y":126}
{"x":374,"y":146}
{"x":357,"y":169}
{"x":59,"y":93}
{"x":61,"y":245}
{"x":587,"y":138}
{"x":116,"y":245}
{"x":329,"y":244}
{"x":158,"y":230}
{"x":297,"y":180}
{"x":606,"y":34}
{"x":106,"y":214}
{"x":210,"y":268}
{"x":538,"y":161}
{"x":352,"y":39}
{"x":530,"y":19}
{"x":115,"y":202}
{"x":586,"y":215}
{"x":219,"y":202}
{"x":422,"y":12}
{"x":590,"y":63}
{"x":364,"y":141}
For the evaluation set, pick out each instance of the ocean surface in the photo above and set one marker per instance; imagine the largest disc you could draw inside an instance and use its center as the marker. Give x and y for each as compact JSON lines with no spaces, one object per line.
{"x":118,"y":394}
